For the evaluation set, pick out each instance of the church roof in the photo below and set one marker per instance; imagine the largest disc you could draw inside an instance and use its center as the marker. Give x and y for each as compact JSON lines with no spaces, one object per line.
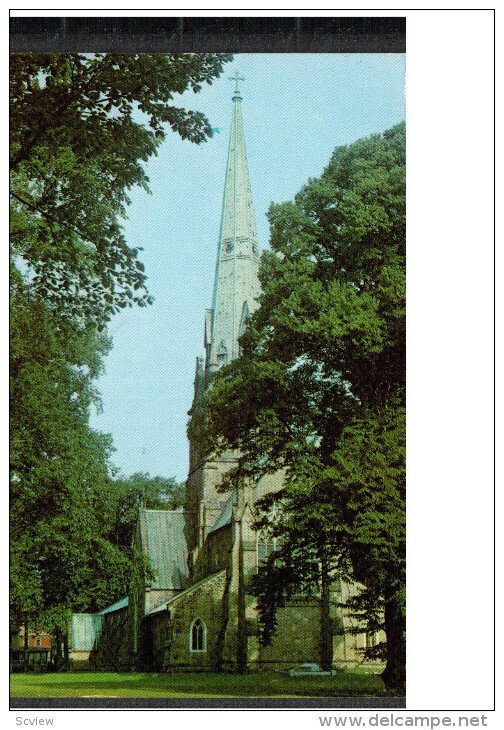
{"x":166,"y":604}
{"x":123,"y":603}
{"x":224,"y":517}
{"x":163,"y":542}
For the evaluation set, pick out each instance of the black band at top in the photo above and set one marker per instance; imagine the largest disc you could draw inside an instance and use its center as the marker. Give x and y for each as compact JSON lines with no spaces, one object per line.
{"x":208,"y":35}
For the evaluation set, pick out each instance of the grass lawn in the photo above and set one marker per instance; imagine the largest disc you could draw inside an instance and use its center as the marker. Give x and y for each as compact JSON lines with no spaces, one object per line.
{"x":138,"y":684}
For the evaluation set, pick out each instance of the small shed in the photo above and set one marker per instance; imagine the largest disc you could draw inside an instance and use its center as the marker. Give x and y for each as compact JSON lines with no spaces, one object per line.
{"x":85,"y":630}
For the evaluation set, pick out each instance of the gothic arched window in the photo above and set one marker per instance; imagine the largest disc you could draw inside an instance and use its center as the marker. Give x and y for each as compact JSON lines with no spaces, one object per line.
{"x":197,"y":636}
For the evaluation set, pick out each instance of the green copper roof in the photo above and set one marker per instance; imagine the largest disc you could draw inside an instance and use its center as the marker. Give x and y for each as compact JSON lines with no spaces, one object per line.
{"x":225,"y":515}
{"x":164,"y":543}
{"x":117,"y":606}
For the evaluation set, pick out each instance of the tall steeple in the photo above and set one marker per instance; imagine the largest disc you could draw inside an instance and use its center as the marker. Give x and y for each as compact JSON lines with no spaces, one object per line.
{"x":236,"y":288}
{"x":236,"y":285}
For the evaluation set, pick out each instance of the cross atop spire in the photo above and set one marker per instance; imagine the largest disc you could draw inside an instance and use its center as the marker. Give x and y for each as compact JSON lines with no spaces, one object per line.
{"x":237,"y":78}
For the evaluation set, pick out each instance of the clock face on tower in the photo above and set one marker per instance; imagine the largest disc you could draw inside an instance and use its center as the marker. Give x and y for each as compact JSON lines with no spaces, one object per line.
{"x":229,"y":247}
{"x":254,"y":249}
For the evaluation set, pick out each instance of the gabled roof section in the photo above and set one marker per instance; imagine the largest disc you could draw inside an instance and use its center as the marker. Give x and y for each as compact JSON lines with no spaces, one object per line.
{"x":117,"y":606}
{"x":163,"y":542}
{"x":195,"y":586}
{"x":224,"y":517}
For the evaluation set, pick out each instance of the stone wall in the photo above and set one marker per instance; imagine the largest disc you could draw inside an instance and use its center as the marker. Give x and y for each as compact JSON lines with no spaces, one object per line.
{"x":166,"y":634}
{"x":203,"y":501}
{"x":170,"y":629}
{"x":221,"y":570}
{"x":296,"y":640}
{"x":217,"y":550}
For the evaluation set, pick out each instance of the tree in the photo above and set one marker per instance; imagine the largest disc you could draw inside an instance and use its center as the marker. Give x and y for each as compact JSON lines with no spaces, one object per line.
{"x":71,"y":523}
{"x":81,"y":128}
{"x":59,"y":467}
{"x":319,"y":390}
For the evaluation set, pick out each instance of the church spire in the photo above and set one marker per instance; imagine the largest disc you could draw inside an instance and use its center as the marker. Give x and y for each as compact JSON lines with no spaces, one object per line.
{"x":236,"y":285}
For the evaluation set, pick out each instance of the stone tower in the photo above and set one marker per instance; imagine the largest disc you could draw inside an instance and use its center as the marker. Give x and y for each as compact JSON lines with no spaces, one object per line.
{"x":236,"y":288}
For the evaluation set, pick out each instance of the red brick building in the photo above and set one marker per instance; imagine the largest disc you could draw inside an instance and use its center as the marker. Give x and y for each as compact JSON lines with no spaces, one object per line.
{"x":36,"y":639}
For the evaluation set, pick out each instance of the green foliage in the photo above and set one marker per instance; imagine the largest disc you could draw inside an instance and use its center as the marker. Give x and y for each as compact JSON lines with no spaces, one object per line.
{"x":292,"y":569}
{"x":71,"y":523}
{"x":319,"y":390}
{"x":59,"y":466}
{"x":82,"y":127}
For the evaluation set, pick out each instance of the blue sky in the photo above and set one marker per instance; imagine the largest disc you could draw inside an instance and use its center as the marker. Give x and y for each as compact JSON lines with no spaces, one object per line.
{"x":297,"y":108}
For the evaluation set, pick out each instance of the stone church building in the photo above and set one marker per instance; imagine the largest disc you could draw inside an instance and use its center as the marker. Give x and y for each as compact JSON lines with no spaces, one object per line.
{"x":196,"y":612}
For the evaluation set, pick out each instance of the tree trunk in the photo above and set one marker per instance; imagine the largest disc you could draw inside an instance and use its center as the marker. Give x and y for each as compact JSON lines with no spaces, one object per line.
{"x":394,"y":675}
{"x":25,"y":646}
{"x":66,"y":652}
{"x":326,"y":639}
{"x":242,"y":646}
{"x":57,"y":655}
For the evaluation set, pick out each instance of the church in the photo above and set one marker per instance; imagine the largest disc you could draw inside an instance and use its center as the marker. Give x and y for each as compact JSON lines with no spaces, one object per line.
{"x":193,"y":610}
